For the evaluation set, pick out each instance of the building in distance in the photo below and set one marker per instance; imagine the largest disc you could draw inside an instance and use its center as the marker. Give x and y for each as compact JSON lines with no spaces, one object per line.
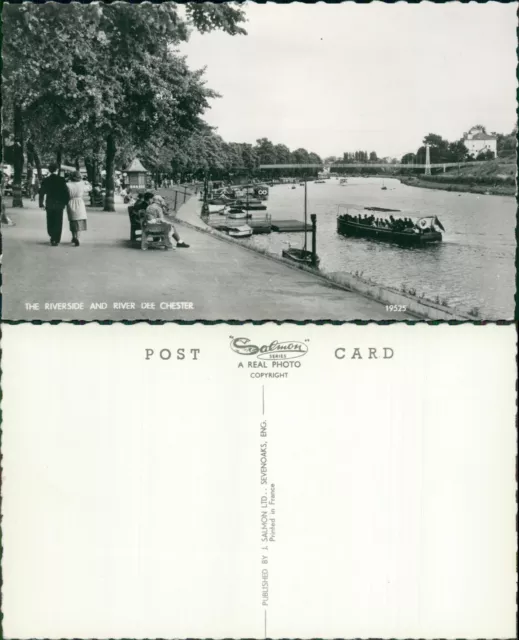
{"x":477,"y":141}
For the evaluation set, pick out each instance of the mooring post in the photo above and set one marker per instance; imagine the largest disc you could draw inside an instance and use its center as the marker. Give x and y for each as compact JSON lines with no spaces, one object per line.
{"x":313,"y":218}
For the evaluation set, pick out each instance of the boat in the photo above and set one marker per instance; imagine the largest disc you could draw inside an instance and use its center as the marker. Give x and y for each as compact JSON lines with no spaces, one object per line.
{"x":424,"y":231}
{"x":238,"y":215}
{"x":383,"y":187}
{"x":239,"y":231}
{"x":343,"y":180}
{"x":302,"y":256}
{"x":216,"y":208}
{"x":221,"y":200}
{"x":251,"y":205}
{"x":293,"y":186}
{"x":384,"y":209}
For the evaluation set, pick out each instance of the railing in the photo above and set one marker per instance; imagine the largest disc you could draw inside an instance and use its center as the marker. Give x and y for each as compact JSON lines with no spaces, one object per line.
{"x":177,"y":195}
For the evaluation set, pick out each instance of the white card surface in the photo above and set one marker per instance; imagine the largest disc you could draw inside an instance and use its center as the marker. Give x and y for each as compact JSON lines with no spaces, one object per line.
{"x":304,"y":490}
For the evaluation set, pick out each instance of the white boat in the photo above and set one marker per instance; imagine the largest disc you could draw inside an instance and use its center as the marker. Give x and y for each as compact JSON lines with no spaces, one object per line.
{"x":239,"y":231}
{"x":217,"y":208}
{"x":239,"y":215}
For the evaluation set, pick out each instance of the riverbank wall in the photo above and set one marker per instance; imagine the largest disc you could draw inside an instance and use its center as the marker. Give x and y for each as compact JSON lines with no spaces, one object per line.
{"x":421,"y":308}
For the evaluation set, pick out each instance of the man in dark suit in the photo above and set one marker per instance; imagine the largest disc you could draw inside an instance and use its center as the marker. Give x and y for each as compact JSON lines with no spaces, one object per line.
{"x":54,"y":190}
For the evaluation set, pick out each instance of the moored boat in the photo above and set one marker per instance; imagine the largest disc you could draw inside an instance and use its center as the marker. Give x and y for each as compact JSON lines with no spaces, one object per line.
{"x":238,"y":215}
{"x":251,"y":205}
{"x":302,"y":256}
{"x":423,"y":231}
{"x":239,"y":231}
{"x":216,"y":208}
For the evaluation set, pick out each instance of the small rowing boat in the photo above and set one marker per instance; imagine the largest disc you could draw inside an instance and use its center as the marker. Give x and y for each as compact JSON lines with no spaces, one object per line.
{"x":238,"y":215}
{"x":239,"y":231}
{"x":302,"y":256}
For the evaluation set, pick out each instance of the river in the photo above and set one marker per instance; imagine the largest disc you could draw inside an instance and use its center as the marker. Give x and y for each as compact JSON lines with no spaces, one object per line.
{"x":473,"y":268}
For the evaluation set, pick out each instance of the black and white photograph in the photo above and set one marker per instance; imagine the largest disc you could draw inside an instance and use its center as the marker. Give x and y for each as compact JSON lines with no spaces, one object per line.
{"x":263,"y":499}
{"x":242,"y":161}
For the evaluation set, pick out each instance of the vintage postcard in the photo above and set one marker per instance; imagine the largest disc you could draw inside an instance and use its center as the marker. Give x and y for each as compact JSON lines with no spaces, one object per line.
{"x":259,"y":161}
{"x":259,"y":481}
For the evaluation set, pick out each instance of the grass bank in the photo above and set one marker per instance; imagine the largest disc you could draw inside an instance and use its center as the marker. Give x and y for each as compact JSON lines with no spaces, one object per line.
{"x":498,"y":190}
{"x":494,"y":178}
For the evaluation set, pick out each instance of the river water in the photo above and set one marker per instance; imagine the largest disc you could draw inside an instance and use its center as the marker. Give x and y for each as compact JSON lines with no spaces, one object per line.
{"x":472,"y":268}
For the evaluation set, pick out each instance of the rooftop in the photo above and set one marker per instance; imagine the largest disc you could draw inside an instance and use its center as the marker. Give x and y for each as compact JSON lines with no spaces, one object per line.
{"x":136,"y":165}
{"x":482,"y":136}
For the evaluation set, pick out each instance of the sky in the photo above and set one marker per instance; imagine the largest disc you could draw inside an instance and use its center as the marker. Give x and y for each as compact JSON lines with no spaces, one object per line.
{"x":373,"y":77}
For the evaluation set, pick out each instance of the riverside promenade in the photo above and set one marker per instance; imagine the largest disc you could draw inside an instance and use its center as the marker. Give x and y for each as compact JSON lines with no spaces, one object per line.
{"x":214,"y":279}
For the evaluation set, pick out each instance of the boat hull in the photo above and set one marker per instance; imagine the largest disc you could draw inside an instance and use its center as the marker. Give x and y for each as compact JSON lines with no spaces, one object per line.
{"x":300,"y":256}
{"x":242,"y":231}
{"x":352,"y":229}
{"x":253,"y":207}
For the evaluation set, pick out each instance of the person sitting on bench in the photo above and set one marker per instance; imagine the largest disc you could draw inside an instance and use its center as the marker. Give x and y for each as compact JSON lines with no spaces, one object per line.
{"x":155,"y":212}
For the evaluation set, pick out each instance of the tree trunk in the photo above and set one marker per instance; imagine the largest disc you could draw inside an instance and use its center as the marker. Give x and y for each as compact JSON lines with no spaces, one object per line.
{"x":77,"y":164}
{"x":35,"y":159}
{"x":28,"y":180}
{"x":110,"y":171}
{"x":18,"y":156}
{"x":90,"y":169}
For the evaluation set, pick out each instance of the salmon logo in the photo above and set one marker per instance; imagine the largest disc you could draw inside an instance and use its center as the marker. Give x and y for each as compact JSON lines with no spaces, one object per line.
{"x":287,"y":350}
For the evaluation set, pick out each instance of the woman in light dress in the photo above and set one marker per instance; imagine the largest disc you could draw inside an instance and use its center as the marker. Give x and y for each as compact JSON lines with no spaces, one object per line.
{"x":76,"y":209}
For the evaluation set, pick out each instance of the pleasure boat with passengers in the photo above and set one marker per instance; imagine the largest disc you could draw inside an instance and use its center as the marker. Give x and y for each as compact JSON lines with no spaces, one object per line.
{"x":380,"y":224}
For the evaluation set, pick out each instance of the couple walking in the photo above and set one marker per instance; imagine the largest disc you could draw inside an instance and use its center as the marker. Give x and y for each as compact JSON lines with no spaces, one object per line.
{"x":58,"y":194}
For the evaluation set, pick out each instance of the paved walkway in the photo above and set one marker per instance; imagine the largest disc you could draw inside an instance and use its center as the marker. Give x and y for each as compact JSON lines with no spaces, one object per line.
{"x":220,"y":280}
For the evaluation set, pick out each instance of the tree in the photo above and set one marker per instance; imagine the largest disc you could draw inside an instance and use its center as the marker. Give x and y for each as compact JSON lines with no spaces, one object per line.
{"x":110,"y":75}
{"x":265,"y":151}
{"x":485,"y":155}
{"x":408,"y":158}
{"x":282,"y":153}
{"x":506,"y":144}
{"x":457,"y":151}
{"x":373,"y":156}
{"x":438,"y":149}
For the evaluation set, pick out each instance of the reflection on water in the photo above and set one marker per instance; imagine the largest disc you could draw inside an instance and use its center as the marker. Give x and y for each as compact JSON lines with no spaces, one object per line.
{"x":472,"y":267}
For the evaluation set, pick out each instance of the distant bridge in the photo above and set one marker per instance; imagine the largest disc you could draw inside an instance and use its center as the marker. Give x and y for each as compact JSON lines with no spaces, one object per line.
{"x":371,"y":165}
